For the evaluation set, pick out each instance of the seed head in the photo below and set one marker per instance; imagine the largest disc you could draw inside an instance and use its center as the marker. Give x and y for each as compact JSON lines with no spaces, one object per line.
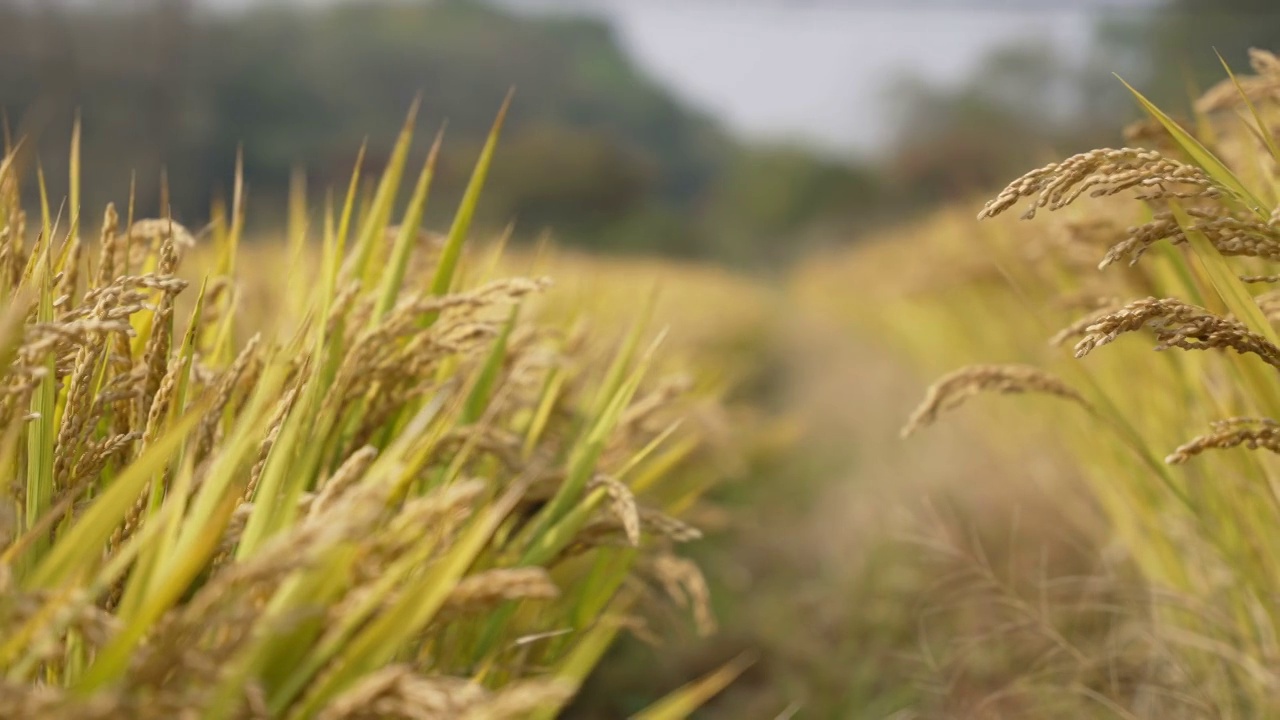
{"x":954,"y":389}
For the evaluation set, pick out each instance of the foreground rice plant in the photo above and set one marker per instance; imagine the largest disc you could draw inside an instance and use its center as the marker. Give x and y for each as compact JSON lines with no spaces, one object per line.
{"x":1161,"y":439}
{"x":412,"y":502}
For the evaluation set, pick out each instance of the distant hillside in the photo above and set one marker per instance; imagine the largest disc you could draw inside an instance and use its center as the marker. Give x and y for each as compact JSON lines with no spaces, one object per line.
{"x":590,"y":141}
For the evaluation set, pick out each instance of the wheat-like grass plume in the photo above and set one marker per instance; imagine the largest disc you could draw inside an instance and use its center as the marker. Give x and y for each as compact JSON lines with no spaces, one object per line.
{"x":1231,"y":235}
{"x":956,"y":388}
{"x":1177,"y":324}
{"x":1253,"y":433}
{"x":1099,"y":173}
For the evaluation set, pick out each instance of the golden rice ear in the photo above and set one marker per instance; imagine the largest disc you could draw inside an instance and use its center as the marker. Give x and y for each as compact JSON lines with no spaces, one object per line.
{"x":684,"y":583}
{"x":1177,"y":324}
{"x":952,"y":390}
{"x":404,"y":692}
{"x":1100,"y":173}
{"x":1253,"y":433}
{"x":622,"y":503}
{"x":1079,"y":328}
{"x":1231,"y":235}
{"x":481,"y":592}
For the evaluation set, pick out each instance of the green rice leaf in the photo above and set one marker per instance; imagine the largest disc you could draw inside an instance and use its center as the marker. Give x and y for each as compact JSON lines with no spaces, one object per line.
{"x":67,"y":559}
{"x":42,"y":430}
{"x":481,"y":392}
{"x":684,"y":702}
{"x":1259,"y":128}
{"x":407,"y":238}
{"x":584,"y":656}
{"x":379,"y":212}
{"x":415,"y":606}
{"x":452,"y":251}
{"x":1199,"y":153}
{"x":1225,"y":280}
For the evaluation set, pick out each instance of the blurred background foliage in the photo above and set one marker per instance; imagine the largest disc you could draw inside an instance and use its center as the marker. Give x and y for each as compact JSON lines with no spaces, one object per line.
{"x":596,"y":150}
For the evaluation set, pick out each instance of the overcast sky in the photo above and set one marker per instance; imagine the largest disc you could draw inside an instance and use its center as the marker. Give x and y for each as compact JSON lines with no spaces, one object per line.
{"x":815,"y":70}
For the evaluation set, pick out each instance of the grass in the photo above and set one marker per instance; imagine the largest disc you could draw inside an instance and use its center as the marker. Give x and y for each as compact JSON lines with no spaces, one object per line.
{"x":1176,"y":616}
{"x":368,"y":479}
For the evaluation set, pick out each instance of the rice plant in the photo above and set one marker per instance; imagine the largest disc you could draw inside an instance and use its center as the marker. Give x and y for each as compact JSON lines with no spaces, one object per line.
{"x":385,"y":489}
{"x":1163,"y":440}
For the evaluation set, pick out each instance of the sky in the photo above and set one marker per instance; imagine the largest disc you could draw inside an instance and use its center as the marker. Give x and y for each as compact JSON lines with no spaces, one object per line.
{"x":817,"y":71}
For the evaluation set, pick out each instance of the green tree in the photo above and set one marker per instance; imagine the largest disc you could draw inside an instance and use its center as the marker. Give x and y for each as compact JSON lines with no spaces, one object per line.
{"x":296,"y":85}
{"x":1023,"y":104}
{"x":770,"y":196}
{"x":1170,"y":51}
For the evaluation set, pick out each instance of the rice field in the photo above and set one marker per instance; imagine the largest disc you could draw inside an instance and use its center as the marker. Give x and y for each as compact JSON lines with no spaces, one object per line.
{"x":358,"y":469}
{"x":369,"y":479}
{"x":1132,"y":306}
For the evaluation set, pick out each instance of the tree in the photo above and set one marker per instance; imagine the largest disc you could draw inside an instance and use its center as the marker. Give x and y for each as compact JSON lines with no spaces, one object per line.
{"x":1170,"y":52}
{"x":1023,"y":104}
{"x":301,"y":86}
